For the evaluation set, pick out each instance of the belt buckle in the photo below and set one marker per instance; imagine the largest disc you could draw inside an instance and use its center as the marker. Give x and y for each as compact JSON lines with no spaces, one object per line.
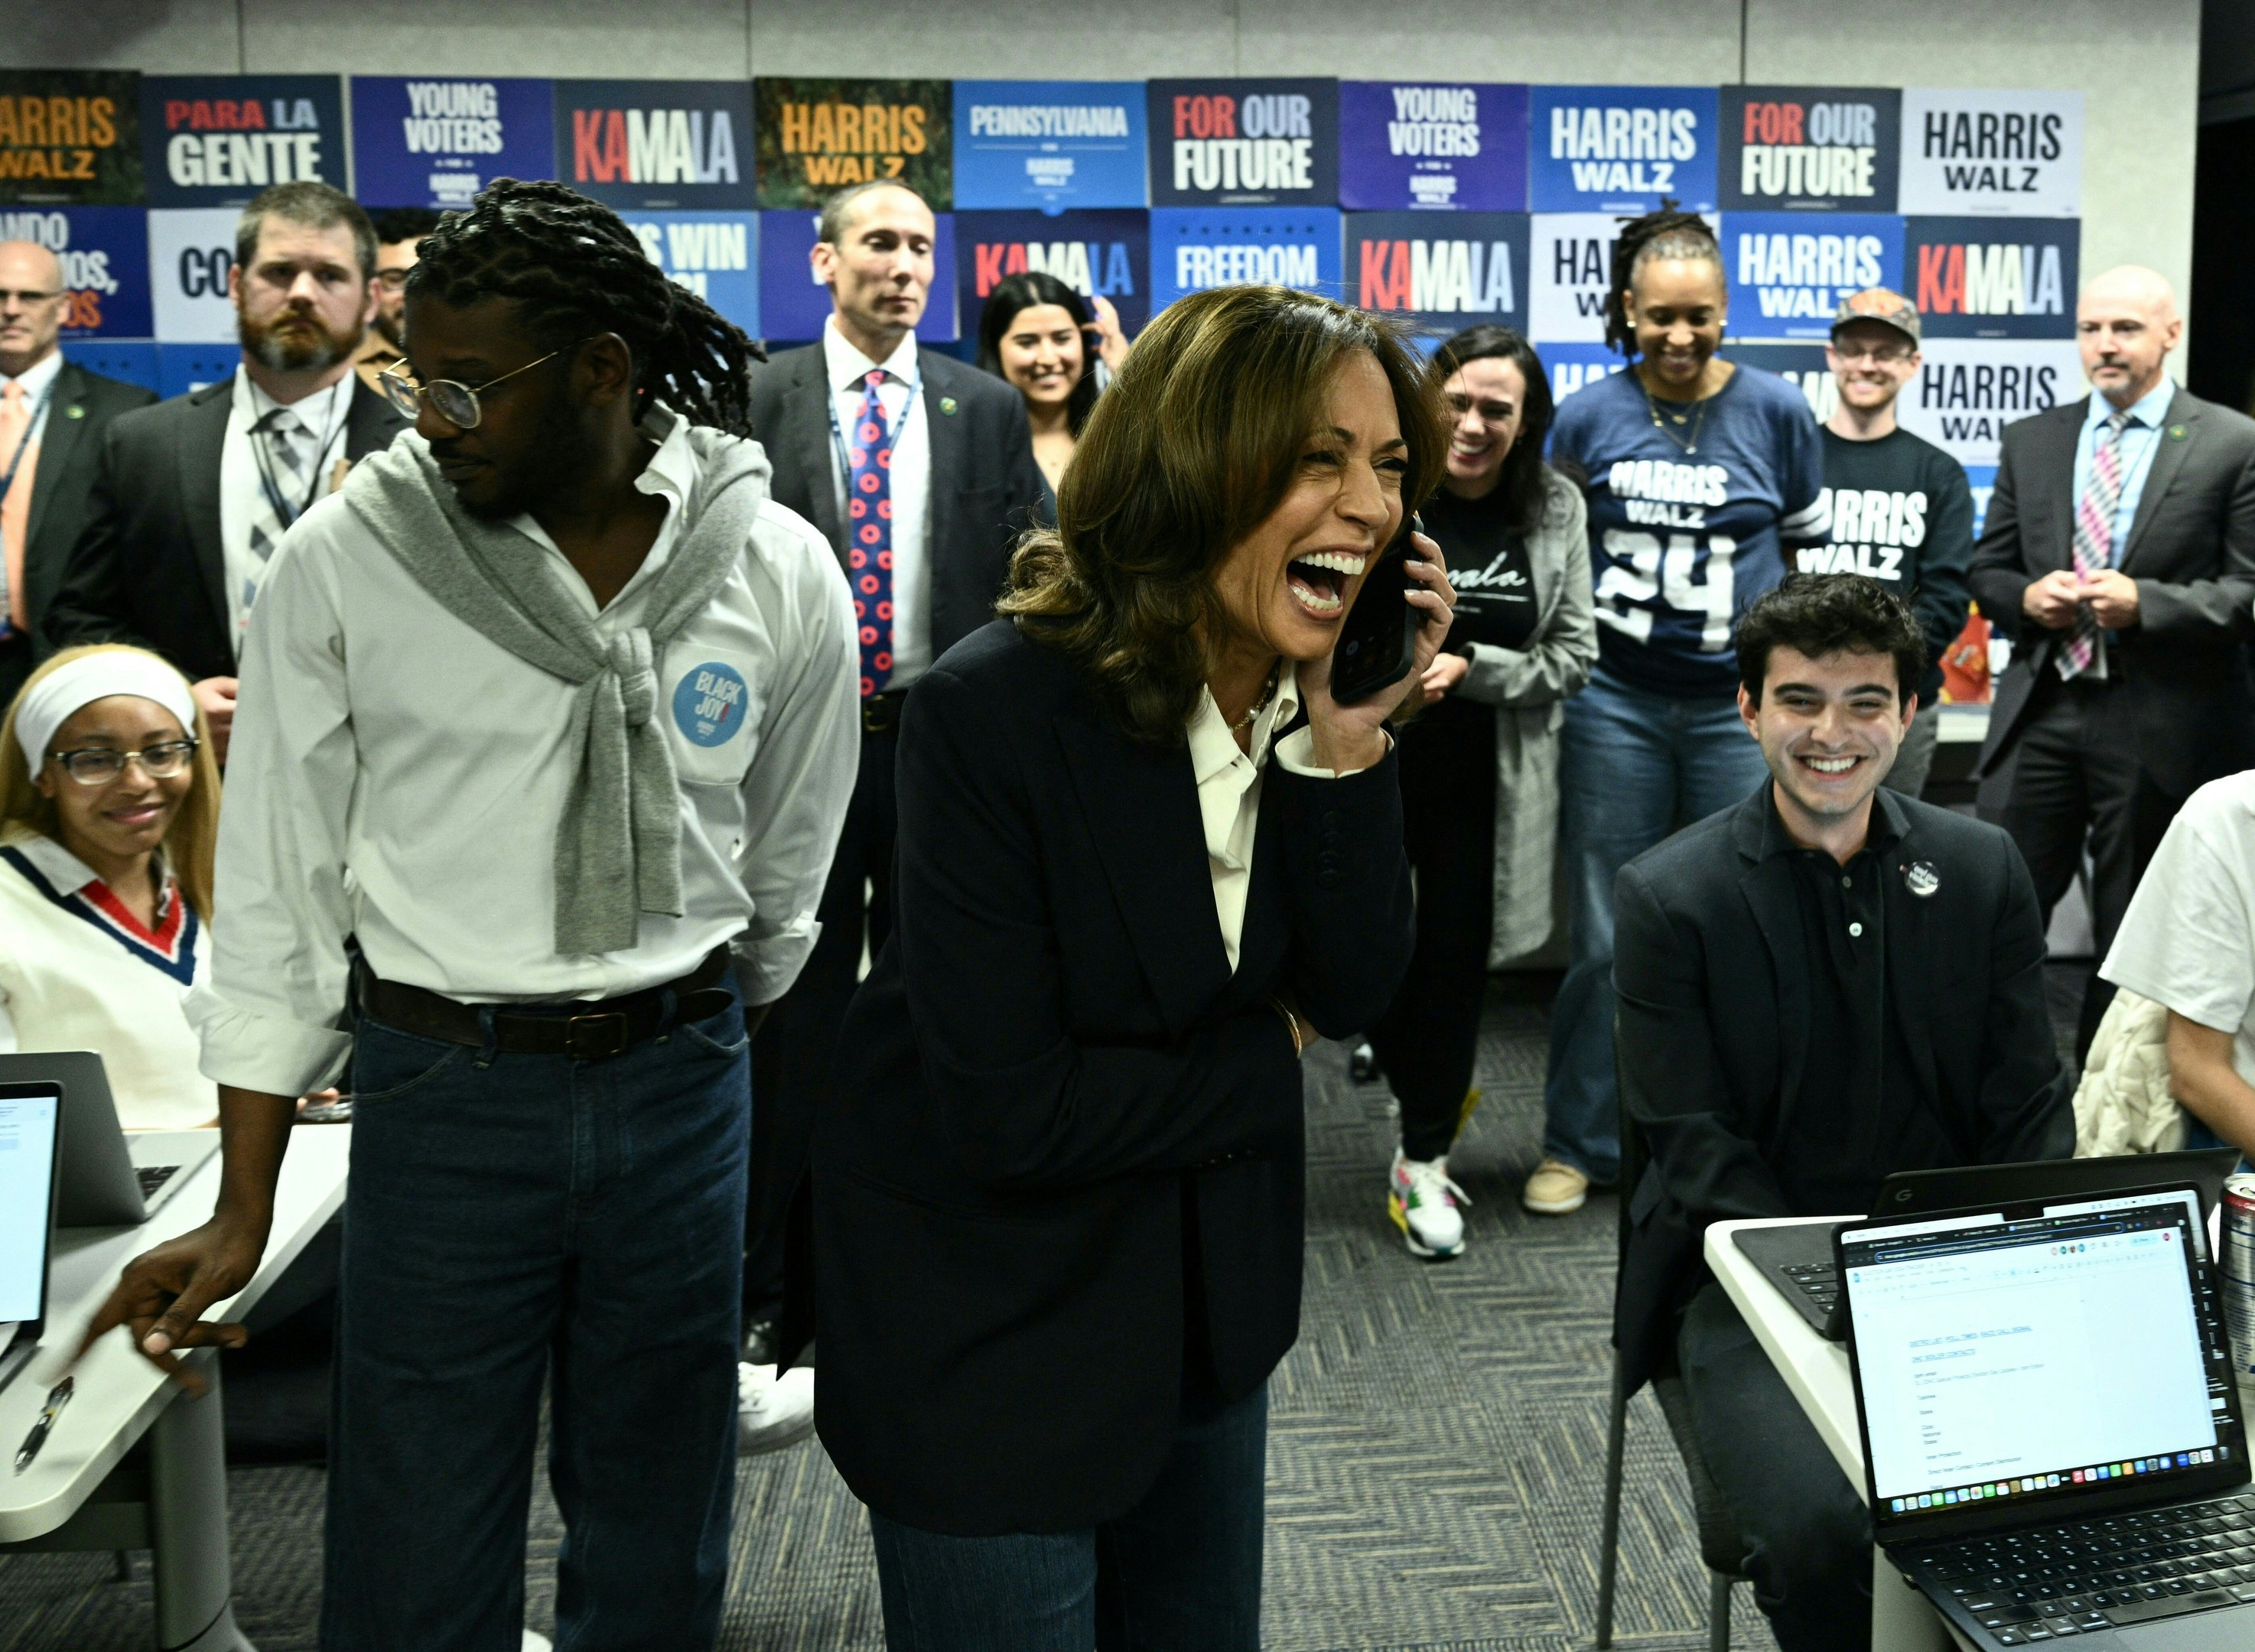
{"x":614,"y":1037}
{"x":880,"y":713}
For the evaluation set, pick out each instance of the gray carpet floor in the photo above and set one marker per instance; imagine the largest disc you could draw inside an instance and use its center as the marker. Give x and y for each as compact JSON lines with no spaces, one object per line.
{"x":1435,"y":1449}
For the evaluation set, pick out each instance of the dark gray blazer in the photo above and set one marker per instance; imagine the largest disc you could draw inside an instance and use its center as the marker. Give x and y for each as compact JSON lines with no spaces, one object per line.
{"x":2191,"y":551}
{"x":986,"y":487}
{"x":149,"y":568}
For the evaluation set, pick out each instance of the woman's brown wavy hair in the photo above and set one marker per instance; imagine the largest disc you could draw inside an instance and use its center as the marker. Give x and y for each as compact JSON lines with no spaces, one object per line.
{"x":1192,"y":448}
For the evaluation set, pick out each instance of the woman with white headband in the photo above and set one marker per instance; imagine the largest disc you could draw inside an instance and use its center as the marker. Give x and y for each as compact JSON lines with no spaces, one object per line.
{"x":108,"y":809}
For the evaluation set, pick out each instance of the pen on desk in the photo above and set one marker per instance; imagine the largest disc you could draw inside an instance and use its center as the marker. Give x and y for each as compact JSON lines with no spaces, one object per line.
{"x":57,"y":1398}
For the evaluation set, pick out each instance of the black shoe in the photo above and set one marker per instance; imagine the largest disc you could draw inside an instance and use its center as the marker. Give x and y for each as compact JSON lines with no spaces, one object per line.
{"x":759,"y":1342}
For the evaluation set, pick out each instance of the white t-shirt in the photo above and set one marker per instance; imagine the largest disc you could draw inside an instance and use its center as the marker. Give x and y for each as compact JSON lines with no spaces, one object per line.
{"x":2187,"y":940}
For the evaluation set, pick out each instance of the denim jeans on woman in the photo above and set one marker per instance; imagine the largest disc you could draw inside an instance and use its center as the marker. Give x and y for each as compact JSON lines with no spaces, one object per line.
{"x":516,"y":1219}
{"x":1633,"y":766}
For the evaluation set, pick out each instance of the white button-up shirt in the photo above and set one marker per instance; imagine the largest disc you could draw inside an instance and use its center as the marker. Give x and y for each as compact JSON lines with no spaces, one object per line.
{"x":324,"y":413}
{"x":396,"y":777}
{"x":846,"y":370}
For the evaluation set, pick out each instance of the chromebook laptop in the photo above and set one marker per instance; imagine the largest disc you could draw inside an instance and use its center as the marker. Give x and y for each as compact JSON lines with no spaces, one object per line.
{"x":2053,"y":1442}
{"x":30,"y":1129}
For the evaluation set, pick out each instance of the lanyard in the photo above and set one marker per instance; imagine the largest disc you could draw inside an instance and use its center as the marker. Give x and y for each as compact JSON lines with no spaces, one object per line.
{"x":273,"y":488}
{"x":838,"y":437}
{"x":24,"y":442}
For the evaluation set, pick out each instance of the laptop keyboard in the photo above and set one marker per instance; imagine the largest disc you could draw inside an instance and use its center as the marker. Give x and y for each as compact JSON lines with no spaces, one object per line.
{"x":153,"y":1176}
{"x":1818,"y":1280}
{"x":2028,"y":1586}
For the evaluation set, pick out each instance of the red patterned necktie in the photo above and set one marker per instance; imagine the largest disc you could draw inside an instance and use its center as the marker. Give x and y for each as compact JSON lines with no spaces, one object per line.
{"x":869,"y":534}
{"x":2093,"y":538}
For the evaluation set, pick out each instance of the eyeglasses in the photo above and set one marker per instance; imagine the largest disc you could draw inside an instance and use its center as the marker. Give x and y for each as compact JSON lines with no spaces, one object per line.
{"x":1889,"y":354}
{"x":24,"y":297}
{"x":452,"y":400}
{"x":99,"y":765}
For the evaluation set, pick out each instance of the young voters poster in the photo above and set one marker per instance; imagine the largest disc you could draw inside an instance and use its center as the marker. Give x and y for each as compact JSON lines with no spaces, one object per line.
{"x":1426,"y":146}
{"x":816,"y":137}
{"x":104,"y":253}
{"x":426,"y":141}
{"x":1788,"y":271}
{"x":1443,"y":274}
{"x":70,"y":137}
{"x":216,"y":140}
{"x":1194,"y":249}
{"x":714,"y":255}
{"x":1098,"y":254}
{"x":2005,"y":154}
{"x":655,"y":146}
{"x":1049,"y":144}
{"x":1982,"y":278}
{"x":794,"y":306}
{"x":1811,"y":148}
{"x":1620,"y":149}
{"x":1244,"y":142}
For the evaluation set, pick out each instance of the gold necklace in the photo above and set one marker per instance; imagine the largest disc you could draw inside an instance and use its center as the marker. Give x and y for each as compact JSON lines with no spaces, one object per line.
{"x":1697,"y":418}
{"x":1261,"y":704}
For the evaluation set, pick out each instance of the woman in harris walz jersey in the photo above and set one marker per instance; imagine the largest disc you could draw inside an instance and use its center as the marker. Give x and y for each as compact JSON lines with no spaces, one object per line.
{"x":1702,"y":476}
{"x":1479,"y":769}
{"x":1042,"y":336}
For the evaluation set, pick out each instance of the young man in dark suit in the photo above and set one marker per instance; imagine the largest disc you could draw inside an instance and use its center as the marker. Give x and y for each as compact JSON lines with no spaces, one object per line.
{"x":1821,"y":986}
{"x":52,"y":413}
{"x":2119,"y":557}
{"x":923,"y":515}
{"x":194,"y":496}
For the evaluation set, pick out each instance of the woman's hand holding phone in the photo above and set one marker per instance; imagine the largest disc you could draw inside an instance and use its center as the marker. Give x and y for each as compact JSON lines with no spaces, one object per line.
{"x":1348,"y":737}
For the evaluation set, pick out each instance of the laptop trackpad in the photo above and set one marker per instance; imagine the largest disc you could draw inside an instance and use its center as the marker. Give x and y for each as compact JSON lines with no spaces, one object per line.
{"x":2205,"y":1632}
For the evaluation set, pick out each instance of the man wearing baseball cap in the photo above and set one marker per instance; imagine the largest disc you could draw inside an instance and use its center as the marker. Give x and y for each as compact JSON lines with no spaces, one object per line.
{"x":1903,"y":511}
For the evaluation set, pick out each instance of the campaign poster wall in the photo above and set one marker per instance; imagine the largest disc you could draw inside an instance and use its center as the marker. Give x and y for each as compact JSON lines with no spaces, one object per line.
{"x":1429,"y":146}
{"x":1968,"y":390}
{"x":191,"y":250}
{"x":1197,"y":248}
{"x":1049,"y":144}
{"x":714,"y":255}
{"x":655,"y":146}
{"x":425,"y":142}
{"x":1244,"y":142}
{"x":1569,"y":275}
{"x":1444,"y":274}
{"x":1097,"y":254}
{"x":1811,"y":148}
{"x":1788,"y":272}
{"x":1620,"y":149}
{"x":183,"y":368}
{"x":2010,"y":153}
{"x":131,"y":360}
{"x":794,"y":306}
{"x":104,"y":253}
{"x":70,"y":136}
{"x":816,"y":137}
{"x":1801,"y":366}
{"x":1572,"y":367}
{"x":216,"y":140}
{"x":1993,"y":278}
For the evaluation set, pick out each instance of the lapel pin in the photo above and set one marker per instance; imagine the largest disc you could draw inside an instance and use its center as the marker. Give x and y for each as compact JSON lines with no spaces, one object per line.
{"x":73,"y":411}
{"x":947,"y":404}
{"x":2176,"y":433}
{"x":1921,"y":879}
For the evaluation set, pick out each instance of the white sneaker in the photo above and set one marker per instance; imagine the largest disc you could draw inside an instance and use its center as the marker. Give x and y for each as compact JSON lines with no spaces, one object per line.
{"x":773,"y":1411}
{"x":537,"y":1643}
{"x":1423,"y":1202}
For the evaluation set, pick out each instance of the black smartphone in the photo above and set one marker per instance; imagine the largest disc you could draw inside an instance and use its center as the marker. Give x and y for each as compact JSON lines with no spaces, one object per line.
{"x":1378,"y":640}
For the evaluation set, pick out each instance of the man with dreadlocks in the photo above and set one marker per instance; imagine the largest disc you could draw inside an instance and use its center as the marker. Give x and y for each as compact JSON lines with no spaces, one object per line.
{"x":553,"y":710}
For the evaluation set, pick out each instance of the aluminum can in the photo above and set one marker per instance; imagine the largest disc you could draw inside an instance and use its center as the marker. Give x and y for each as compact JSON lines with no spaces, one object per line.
{"x":2238,"y":1214}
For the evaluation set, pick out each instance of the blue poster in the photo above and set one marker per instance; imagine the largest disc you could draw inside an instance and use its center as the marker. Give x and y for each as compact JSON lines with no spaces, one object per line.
{"x":1572,"y":366}
{"x":104,"y":253}
{"x":1049,"y":144}
{"x":1244,"y":142}
{"x":1621,"y":149}
{"x":715,"y":255}
{"x":132,"y":360}
{"x":216,"y":140}
{"x":1788,"y":271}
{"x":793,"y":305}
{"x":1420,"y":146}
{"x":422,"y":142}
{"x":1194,"y":248}
{"x":1097,"y":254}
{"x":1444,"y":274}
{"x":657,"y":145}
{"x":1993,"y":278}
{"x":1801,"y":366}
{"x":1811,"y":148}
{"x":184,"y":368}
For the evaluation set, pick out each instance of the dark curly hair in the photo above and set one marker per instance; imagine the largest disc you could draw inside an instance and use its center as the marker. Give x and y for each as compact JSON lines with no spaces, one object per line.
{"x":573,"y":268}
{"x":1665,"y":233}
{"x":1820,"y":614}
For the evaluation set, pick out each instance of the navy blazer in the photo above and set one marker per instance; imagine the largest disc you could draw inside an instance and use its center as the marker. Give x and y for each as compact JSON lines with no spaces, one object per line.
{"x":1714,"y":1021}
{"x":1052,"y":1086}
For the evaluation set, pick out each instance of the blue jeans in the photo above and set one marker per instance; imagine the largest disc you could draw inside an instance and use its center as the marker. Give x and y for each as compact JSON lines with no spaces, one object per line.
{"x":512,"y":1218}
{"x":1178,"y":1573}
{"x":1633,"y":768}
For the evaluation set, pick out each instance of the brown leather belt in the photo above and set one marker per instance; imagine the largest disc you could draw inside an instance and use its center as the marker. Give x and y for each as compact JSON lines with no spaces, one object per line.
{"x":880,"y":713}
{"x":595,"y":1029}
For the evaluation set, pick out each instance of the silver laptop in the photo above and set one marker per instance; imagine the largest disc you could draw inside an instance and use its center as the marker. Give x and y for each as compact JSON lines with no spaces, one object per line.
{"x":107,"y":1178}
{"x":30,"y":1129}
{"x":2053,"y":1443}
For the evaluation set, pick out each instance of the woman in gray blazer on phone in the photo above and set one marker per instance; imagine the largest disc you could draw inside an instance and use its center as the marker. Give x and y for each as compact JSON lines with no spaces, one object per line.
{"x":1479,"y":767}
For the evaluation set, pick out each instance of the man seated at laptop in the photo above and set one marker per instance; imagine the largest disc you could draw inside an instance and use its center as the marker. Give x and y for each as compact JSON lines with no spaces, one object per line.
{"x":1819,"y":986}
{"x":108,"y":811}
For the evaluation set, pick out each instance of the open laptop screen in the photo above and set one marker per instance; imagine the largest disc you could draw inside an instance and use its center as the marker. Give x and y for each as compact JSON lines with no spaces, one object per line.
{"x":2022,"y":1358}
{"x":28,"y":1125}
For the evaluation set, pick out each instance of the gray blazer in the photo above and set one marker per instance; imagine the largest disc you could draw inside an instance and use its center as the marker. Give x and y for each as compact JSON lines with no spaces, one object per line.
{"x":1529,"y":687}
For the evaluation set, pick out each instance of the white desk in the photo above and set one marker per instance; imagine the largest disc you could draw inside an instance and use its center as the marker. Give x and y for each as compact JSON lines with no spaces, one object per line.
{"x":1817,"y":1372}
{"x":181,"y":1513}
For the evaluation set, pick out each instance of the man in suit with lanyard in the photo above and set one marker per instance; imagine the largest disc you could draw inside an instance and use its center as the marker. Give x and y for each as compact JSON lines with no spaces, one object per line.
{"x":2119,"y":557}
{"x":53,"y":412}
{"x":920,"y":472}
{"x":194,"y":495}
